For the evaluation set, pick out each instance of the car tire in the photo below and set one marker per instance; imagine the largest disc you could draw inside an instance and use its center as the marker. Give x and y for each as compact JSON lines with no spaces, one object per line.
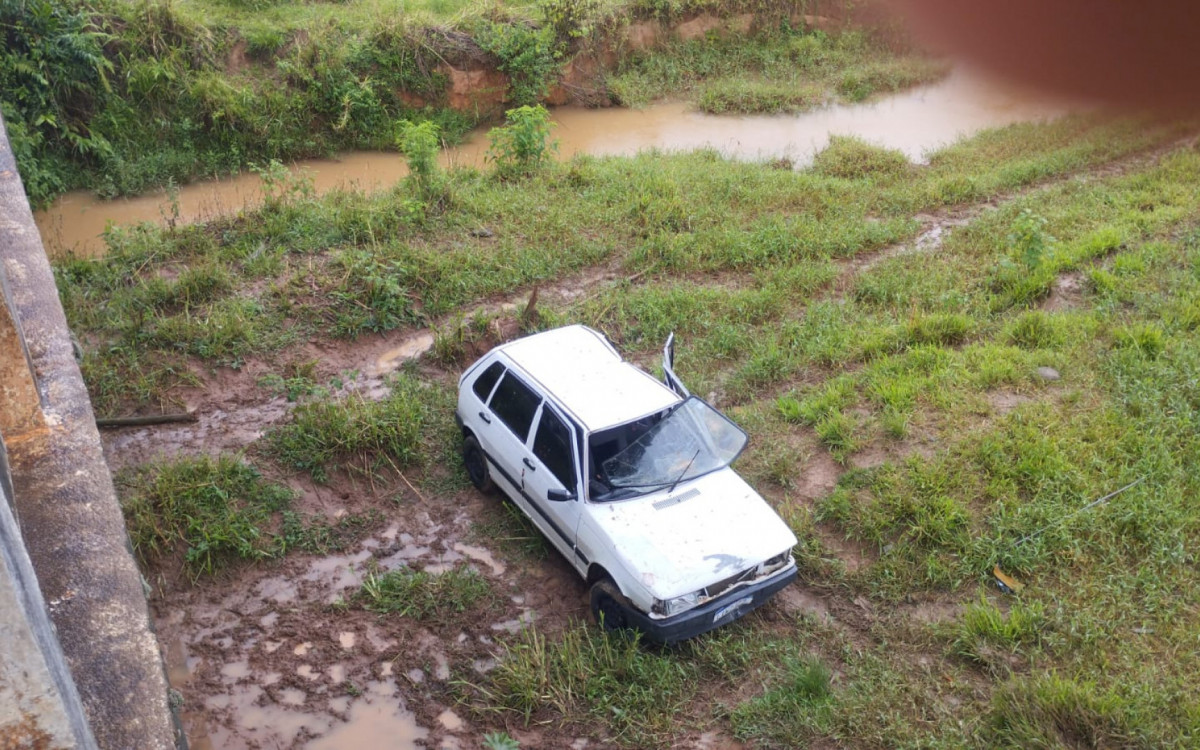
{"x":476,"y":465}
{"x":608,"y":606}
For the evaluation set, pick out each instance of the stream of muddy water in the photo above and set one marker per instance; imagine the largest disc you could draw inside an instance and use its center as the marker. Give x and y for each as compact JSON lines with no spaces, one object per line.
{"x":914,"y":122}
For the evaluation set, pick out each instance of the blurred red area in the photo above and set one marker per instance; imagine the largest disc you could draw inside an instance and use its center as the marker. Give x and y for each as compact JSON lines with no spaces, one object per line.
{"x":1124,"y":53}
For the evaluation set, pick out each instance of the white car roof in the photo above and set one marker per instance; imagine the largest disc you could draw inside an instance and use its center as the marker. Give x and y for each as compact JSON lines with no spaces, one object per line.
{"x":585,"y":374}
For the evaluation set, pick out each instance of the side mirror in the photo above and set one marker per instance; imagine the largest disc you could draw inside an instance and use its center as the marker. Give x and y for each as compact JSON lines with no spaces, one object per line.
{"x":559,"y":496}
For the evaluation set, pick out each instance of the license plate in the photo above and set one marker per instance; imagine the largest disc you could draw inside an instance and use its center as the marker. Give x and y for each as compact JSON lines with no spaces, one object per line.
{"x":731,"y":608}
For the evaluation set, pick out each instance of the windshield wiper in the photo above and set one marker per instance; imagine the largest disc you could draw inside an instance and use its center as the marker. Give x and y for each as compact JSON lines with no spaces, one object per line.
{"x":685,"y":471}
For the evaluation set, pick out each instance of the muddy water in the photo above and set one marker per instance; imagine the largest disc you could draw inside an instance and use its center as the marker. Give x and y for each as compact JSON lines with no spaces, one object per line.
{"x":914,"y":122}
{"x":280,"y":671}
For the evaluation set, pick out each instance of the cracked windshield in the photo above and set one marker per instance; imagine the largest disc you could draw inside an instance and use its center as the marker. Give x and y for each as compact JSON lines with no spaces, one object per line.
{"x":693,"y":440}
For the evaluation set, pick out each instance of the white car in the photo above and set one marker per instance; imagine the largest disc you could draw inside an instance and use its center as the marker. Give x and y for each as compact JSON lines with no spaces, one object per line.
{"x":628,"y":477}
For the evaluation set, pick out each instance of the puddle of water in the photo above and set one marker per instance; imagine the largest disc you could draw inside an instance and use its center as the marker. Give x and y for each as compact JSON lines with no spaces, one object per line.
{"x":451,"y":721}
{"x":373,"y":723}
{"x":339,"y":572}
{"x":307,"y":672}
{"x":514,"y":626}
{"x":479,"y":554}
{"x":302,"y":649}
{"x":337,"y":674}
{"x":914,"y":122}
{"x":347,"y":640}
{"x":179,"y":671}
{"x":236,"y":670}
{"x":292,"y":697}
{"x":411,"y":348}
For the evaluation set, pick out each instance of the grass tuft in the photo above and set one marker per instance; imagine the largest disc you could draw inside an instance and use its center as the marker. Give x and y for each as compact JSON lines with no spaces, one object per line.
{"x":355,"y":433}
{"x":213,"y":510}
{"x":422,"y":595}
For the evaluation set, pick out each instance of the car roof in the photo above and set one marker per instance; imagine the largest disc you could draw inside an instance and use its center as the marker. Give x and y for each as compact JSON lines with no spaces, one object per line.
{"x":585,"y":374}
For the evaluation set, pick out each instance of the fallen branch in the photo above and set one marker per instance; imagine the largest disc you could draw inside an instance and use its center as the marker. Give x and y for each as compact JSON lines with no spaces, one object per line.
{"x":148,"y":419}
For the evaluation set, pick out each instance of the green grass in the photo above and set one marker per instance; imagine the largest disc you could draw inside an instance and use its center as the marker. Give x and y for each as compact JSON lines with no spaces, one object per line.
{"x":354,"y":433}
{"x":638,"y":694}
{"x":438,"y":597}
{"x":213,"y":511}
{"x":917,"y":371}
{"x":782,"y":70}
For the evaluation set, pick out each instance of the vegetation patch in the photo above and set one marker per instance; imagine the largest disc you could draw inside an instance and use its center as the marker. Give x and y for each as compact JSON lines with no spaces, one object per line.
{"x":213,"y":510}
{"x":357,"y":433}
{"x":440,"y":597}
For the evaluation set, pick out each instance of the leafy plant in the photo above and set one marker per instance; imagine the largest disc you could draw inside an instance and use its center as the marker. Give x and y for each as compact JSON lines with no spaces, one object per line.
{"x":530,"y":57}
{"x":420,"y":143}
{"x":523,"y":144}
{"x":500,"y":741}
{"x":53,"y":78}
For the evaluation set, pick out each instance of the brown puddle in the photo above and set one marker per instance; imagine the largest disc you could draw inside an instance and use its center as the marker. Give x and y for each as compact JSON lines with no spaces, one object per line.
{"x":915,"y":122}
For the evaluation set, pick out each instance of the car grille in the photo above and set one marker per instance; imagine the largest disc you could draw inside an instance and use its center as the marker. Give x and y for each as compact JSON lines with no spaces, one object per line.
{"x":749,"y":574}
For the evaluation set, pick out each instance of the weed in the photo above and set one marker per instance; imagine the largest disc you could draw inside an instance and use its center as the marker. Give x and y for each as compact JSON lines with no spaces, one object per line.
{"x":987,"y":636}
{"x":523,"y":144}
{"x":1145,"y":339}
{"x":500,"y":741}
{"x":720,"y":97}
{"x":802,"y":689}
{"x":637,"y":693}
{"x":214,"y":510}
{"x":419,"y":142}
{"x":1033,"y":330}
{"x":530,"y":57}
{"x":836,"y":431}
{"x":422,"y":595}
{"x":354,"y":433}
{"x":1040,"y":712}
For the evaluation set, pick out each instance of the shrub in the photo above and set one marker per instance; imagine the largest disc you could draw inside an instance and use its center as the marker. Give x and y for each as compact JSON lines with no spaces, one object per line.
{"x":522,"y":145}
{"x":419,"y":142}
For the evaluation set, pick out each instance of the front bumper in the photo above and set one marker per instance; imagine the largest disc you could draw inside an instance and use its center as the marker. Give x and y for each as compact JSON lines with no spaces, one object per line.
{"x":712,"y":614}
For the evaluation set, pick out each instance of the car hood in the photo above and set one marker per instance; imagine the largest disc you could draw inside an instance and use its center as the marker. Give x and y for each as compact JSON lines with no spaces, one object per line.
{"x":704,"y":531}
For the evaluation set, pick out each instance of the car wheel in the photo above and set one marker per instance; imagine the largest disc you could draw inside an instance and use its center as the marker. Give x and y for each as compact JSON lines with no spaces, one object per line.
{"x":607,"y":606}
{"x":476,"y":465}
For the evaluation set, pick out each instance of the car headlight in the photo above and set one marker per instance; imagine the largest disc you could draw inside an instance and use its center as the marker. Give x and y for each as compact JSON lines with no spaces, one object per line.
{"x":675,"y":606}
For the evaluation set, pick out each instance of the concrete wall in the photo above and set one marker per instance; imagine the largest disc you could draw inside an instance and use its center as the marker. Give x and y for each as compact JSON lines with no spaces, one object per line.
{"x":69,"y":517}
{"x":39,"y":705}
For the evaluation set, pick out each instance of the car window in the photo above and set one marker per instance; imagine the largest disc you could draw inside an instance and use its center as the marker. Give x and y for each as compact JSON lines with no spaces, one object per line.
{"x":515,"y":404}
{"x":483,"y":383}
{"x":552,"y":446}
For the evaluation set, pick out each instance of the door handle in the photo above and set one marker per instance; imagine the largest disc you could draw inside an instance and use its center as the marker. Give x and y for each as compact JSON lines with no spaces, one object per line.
{"x":485,"y":417}
{"x":530,"y":464}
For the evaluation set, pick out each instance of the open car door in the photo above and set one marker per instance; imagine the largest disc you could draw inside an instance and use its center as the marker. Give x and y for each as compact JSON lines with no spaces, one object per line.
{"x":669,"y":376}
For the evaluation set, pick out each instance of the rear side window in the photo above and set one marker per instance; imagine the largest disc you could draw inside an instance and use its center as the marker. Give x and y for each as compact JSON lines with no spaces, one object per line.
{"x":483,"y":383}
{"x":552,"y":446}
{"x":515,"y":403}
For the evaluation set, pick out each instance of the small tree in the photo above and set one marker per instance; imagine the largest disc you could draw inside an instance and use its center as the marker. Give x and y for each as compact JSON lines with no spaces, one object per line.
{"x":420,"y":142}
{"x":522,"y":146}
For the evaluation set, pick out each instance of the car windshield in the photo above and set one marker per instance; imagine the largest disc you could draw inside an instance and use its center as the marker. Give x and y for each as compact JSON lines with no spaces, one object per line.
{"x":693,"y":439}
